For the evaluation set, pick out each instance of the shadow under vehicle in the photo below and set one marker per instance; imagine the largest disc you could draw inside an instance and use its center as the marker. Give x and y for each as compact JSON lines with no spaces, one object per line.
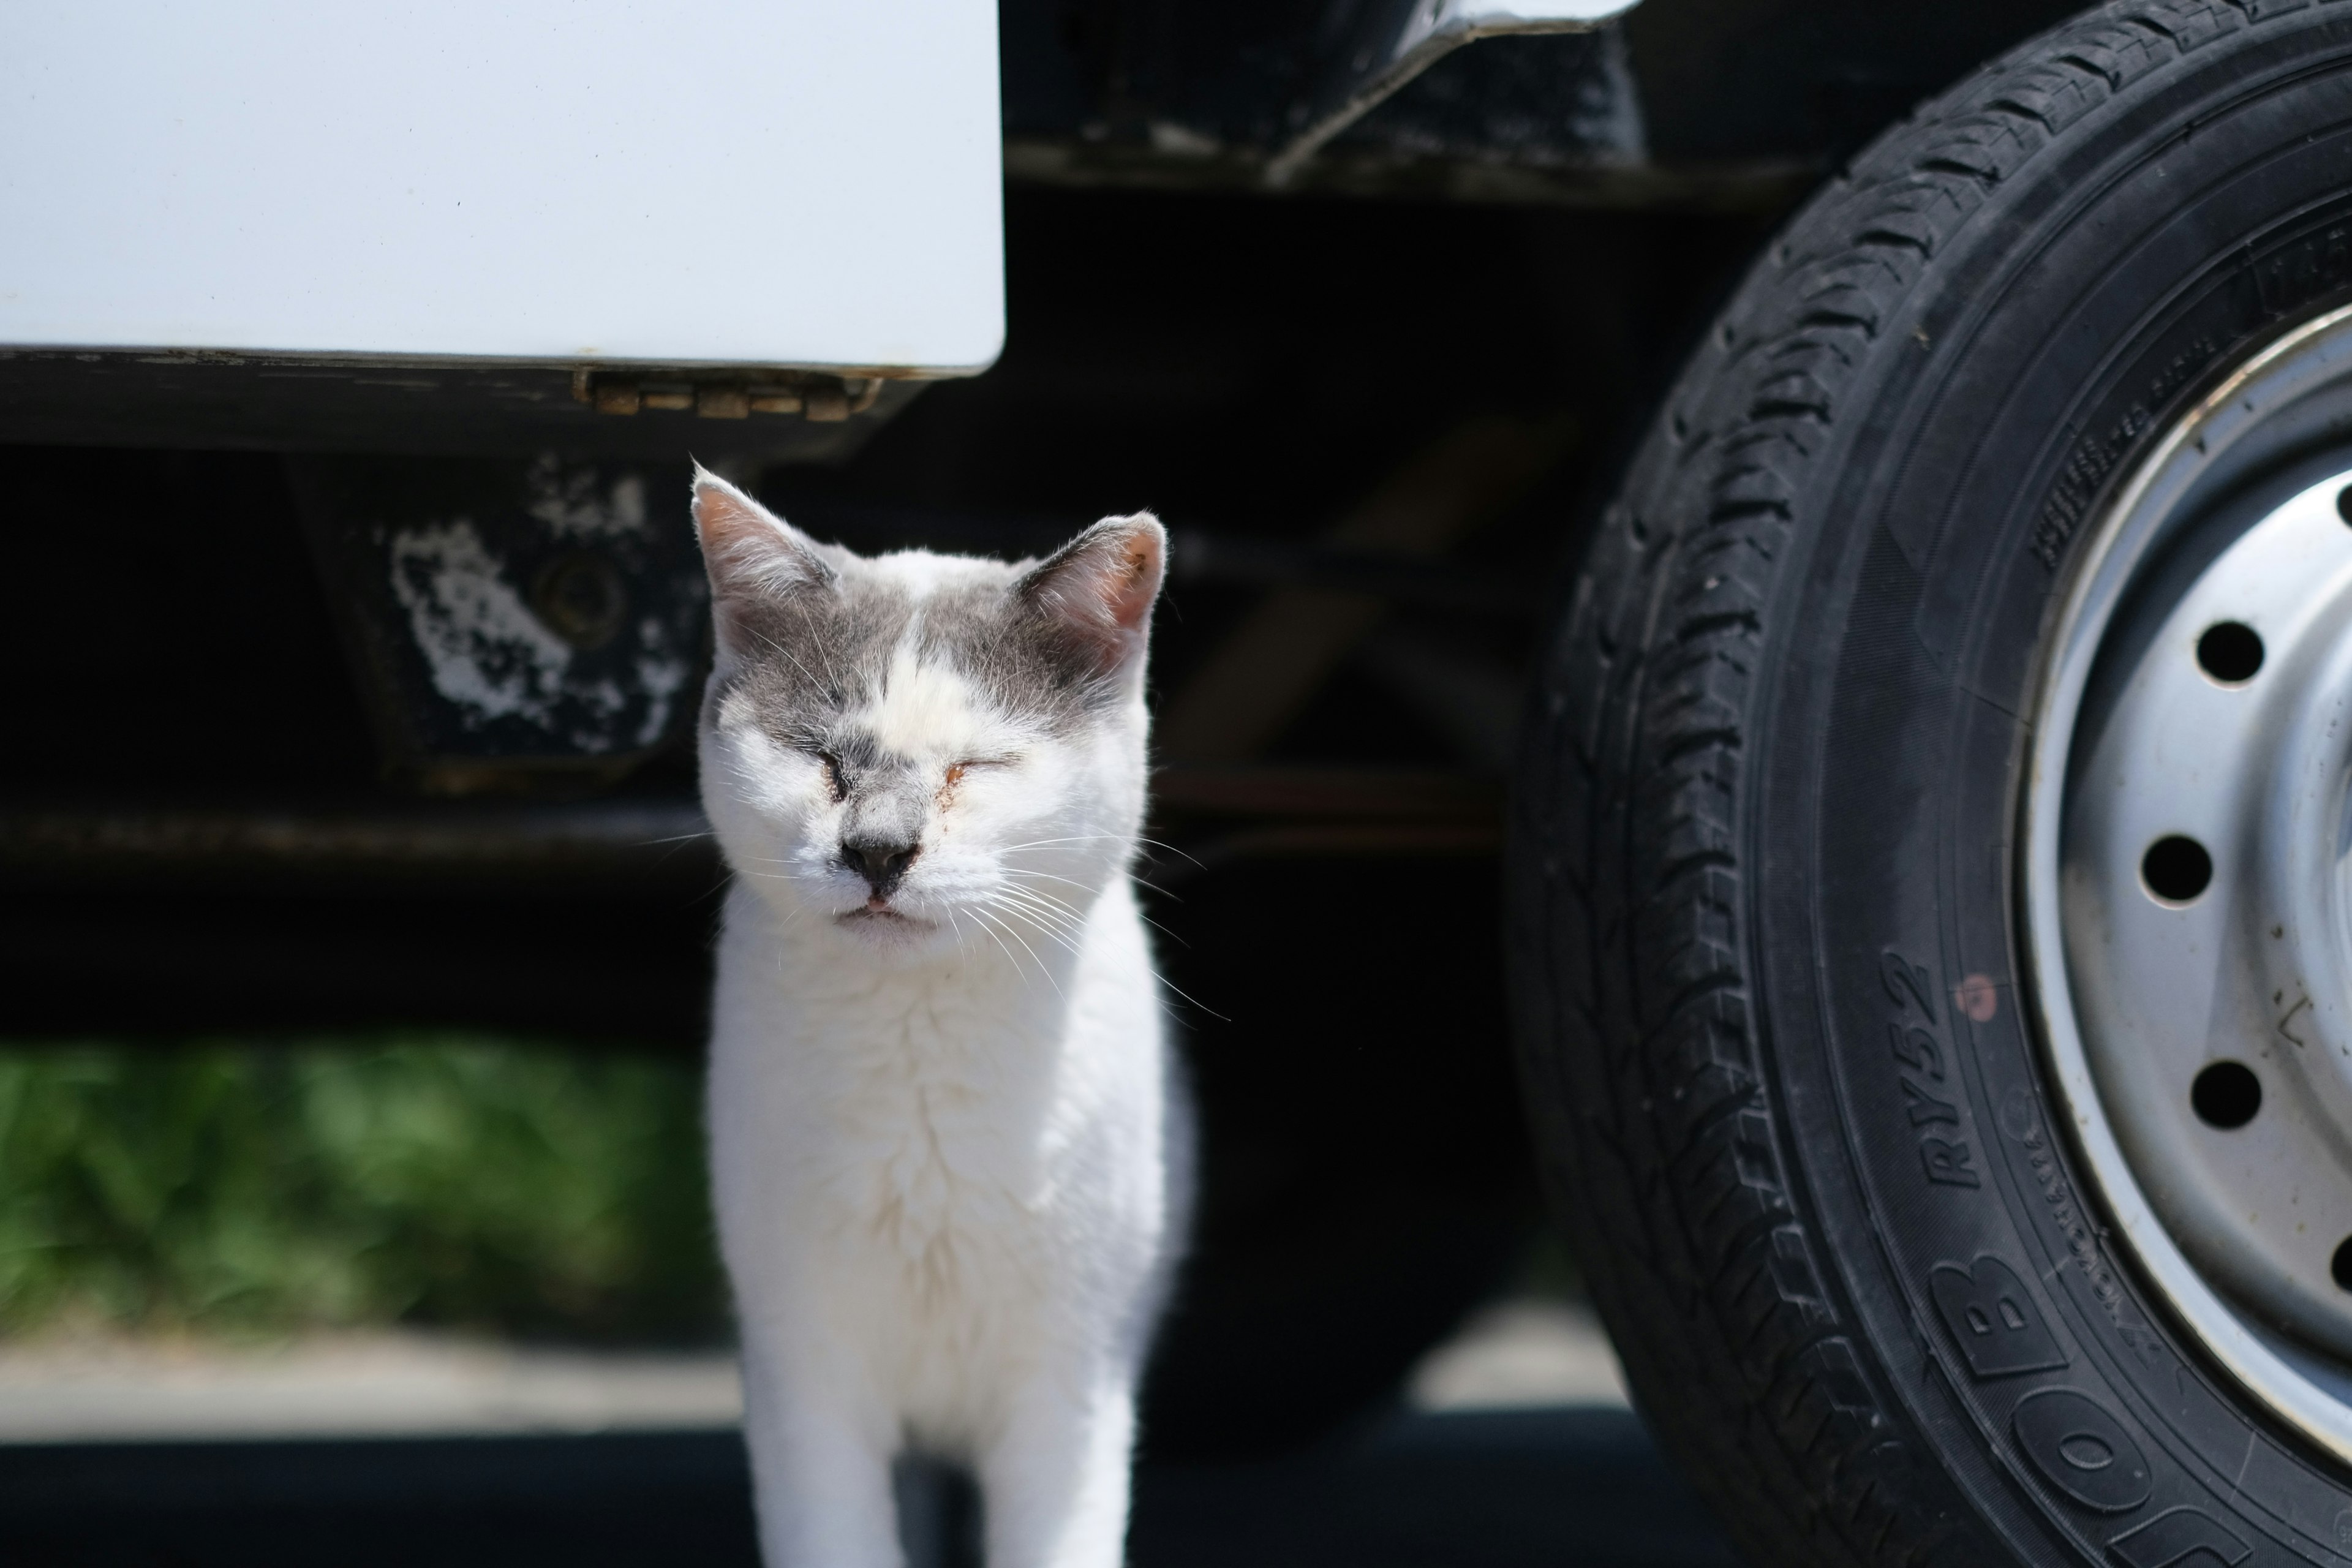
{"x":1787,"y":557}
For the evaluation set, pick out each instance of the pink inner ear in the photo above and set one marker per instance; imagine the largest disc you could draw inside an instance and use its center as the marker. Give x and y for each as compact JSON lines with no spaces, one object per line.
{"x":1133,"y":582}
{"x":747,"y":548}
{"x":717,"y":510}
{"x":727,"y":522}
{"x":1103,"y":581}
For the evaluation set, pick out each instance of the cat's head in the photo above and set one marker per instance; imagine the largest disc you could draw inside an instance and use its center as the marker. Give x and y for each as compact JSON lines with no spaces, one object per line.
{"x":913,"y":751}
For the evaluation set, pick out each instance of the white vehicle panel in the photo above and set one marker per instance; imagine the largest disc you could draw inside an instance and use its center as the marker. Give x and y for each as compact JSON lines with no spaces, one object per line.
{"x":695,"y":182}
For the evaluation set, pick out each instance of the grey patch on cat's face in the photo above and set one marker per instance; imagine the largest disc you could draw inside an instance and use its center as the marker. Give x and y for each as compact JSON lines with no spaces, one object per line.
{"x":807,"y":656}
{"x":812,"y":654}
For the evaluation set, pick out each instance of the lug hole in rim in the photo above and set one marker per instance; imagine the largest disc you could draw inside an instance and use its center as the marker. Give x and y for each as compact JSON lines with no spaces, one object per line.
{"x":2226,"y":1095}
{"x":2344,"y":503}
{"x":2340,"y":1266}
{"x":2229,"y":652}
{"x":2176,"y":870}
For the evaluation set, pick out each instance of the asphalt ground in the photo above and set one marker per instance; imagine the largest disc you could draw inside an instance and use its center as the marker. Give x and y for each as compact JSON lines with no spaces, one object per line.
{"x":1489,"y":1489}
{"x":1511,"y":1446}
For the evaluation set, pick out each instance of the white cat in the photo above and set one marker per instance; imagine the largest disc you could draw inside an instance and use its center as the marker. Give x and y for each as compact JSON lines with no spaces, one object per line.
{"x":950,"y":1156}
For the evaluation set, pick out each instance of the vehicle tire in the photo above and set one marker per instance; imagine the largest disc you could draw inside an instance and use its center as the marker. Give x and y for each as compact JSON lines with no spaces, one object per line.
{"x":1792,"y":1038}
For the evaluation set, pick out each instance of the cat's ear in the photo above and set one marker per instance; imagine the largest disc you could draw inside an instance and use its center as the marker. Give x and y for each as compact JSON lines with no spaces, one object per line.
{"x":754,"y":556}
{"x":1102,"y":586}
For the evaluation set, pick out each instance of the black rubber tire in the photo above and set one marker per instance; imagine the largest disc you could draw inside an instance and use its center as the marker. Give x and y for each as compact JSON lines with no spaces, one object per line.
{"x":1766,"y":819}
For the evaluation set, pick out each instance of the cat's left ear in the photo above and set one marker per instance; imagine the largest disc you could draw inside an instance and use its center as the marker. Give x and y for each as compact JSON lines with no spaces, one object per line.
{"x":1102,"y":585}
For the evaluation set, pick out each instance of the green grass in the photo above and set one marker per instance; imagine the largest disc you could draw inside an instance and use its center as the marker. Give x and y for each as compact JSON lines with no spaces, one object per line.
{"x":246,"y":1190}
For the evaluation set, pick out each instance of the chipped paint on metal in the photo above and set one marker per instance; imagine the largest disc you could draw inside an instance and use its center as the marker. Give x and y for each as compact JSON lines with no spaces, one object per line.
{"x":565,"y":497}
{"x":661,"y":676}
{"x":486,"y":651}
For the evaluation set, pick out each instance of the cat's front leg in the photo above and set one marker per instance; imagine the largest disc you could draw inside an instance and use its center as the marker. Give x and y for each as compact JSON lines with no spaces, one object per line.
{"x":1055,"y":1480}
{"x":820,"y":1470}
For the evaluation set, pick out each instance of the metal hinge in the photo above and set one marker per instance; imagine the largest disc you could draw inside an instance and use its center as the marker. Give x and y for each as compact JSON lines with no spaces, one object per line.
{"x":826,"y":399}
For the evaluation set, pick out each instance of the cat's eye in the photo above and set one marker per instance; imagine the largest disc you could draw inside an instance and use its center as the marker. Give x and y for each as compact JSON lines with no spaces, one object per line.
{"x":833,"y":781}
{"x":956,"y":770}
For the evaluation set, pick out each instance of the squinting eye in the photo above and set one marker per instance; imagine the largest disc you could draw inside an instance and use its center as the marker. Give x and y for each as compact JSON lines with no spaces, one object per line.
{"x":957,"y":770}
{"x":833,"y":779}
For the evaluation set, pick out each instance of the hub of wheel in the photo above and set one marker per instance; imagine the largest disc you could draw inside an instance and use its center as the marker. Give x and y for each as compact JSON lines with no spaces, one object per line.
{"x":2189,"y":874}
{"x":2206,"y":915}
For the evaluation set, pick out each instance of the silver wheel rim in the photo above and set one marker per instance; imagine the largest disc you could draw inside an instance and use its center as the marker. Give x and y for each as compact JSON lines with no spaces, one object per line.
{"x":2147,"y":972}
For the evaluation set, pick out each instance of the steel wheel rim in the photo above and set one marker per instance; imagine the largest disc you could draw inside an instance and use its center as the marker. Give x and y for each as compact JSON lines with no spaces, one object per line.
{"x":2306,"y":1382}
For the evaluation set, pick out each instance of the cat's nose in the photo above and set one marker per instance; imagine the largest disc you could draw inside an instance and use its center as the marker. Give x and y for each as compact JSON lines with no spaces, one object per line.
{"x":883,"y":863}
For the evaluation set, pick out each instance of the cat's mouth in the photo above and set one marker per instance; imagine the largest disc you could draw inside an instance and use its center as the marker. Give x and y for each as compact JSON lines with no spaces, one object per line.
{"x":875,"y":912}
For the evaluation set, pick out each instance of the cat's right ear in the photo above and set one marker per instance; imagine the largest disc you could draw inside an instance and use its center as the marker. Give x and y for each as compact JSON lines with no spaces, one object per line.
{"x":754,"y":556}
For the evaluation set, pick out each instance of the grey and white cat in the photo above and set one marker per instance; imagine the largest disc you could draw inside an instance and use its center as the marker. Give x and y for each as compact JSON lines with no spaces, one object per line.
{"x":948,"y":1153}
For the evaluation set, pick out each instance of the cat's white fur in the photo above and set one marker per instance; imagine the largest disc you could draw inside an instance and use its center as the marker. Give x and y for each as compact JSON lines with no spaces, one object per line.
{"x":949,"y":1159}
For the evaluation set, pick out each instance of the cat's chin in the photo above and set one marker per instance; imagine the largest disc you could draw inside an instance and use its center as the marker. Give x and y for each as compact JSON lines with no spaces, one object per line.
{"x":885,"y":927}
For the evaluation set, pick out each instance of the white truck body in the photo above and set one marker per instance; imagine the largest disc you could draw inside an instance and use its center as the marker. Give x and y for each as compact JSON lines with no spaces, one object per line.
{"x":695,"y":183}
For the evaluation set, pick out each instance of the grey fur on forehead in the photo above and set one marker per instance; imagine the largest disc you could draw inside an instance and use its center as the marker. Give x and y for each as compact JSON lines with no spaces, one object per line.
{"x":815,"y":651}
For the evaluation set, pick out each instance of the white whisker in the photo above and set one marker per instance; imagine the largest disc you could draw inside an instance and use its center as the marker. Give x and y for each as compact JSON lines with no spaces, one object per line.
{"x":1011,"y":898}
{"x":1062,"y":916}
{"x":1032,"y":952}
{"x":1040,"y":896}
{"x":989,"y":926}
{"x":1025,"y":871}
{"x":1195,"y":1000}
{"x":1050,"y":922}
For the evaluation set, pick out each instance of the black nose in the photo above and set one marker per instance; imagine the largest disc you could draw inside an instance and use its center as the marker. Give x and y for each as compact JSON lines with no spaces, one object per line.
{"x":882,"y":864}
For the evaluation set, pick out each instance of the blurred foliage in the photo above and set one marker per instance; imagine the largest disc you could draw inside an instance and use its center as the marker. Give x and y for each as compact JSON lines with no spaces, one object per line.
{"x":451,"y":1182}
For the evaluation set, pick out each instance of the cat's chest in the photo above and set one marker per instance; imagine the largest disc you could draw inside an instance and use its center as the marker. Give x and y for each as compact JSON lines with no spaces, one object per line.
{"x":936,"y":1133}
